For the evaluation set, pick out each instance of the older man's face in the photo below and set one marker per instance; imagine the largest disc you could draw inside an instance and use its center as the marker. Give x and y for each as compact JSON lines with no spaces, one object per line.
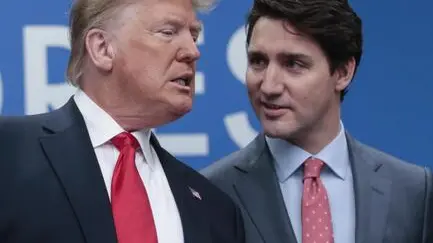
{"x":155,"y":56}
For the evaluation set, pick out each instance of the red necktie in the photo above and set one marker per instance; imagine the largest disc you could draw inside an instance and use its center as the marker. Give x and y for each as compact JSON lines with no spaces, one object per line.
{"x":131,"y":208}
{"x":316,"y":214}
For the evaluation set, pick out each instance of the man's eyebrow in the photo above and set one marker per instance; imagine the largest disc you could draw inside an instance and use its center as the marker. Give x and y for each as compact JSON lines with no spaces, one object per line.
{"x":254,"y":51}
{"x":196,"y":26}
{"x":294,"y":55}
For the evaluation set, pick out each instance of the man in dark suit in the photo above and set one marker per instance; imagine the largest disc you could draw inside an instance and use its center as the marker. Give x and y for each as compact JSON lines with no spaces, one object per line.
{"x":92,"y":171}
{"x":305,"y":179}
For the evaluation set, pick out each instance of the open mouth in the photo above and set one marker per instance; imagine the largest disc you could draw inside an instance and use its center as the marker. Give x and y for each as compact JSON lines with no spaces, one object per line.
{"x":272,"y":106}
{"x":273,"y":111}
{"x":184,"y":80}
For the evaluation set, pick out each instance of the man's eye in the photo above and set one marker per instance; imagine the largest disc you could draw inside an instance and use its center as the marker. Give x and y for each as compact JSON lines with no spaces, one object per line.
{"x":295,"y":65}
{"x":256,"y":62}
{"x":195,"y":38}
{"x":168,"y":32}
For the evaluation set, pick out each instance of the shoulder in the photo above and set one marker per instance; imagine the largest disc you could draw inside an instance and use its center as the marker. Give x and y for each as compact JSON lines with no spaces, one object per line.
{"x":397,"y":167}
{"x":17,"y":126}
{"x":12,"y":122}
{"x":226,"y":171}
{"x":228,"y":165}
{"x":33,"y":124}
{"x":223,"y":166}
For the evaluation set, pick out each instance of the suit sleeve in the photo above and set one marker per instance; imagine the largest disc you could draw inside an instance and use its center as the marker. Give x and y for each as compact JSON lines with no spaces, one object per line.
{"x":428,"y":211}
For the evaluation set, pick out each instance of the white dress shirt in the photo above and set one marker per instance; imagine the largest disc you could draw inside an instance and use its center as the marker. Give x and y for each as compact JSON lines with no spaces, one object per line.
{"x":102,"y":127}
{"x":336,"y":177}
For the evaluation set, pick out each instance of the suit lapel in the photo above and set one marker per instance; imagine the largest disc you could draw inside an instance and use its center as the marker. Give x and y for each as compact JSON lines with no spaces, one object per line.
{"x":190,"y":206}
{"x":259,"y":192}
{"x":372,"y":194}
{"x":69,"y":150}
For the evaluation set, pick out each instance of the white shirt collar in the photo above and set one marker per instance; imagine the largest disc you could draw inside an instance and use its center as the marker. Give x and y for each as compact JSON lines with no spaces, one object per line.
{"x":289,"y":157}
{"x":102,"y":127}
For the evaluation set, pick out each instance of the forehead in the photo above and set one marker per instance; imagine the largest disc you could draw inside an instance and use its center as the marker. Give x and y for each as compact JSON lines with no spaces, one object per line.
{"x":273,"y":36}
{"x":149,"y":12}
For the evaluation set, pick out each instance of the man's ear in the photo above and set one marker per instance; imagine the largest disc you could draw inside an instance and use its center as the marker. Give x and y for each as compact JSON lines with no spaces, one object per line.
{"x":100,"y":49}
{"x":345,"y":74}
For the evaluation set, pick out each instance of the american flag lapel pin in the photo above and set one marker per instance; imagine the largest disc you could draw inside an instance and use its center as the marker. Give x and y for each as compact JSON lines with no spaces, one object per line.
{"x":195,"y":193}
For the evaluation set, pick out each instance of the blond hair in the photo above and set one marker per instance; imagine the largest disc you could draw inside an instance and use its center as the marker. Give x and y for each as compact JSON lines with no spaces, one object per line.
{"x":89,"y":14}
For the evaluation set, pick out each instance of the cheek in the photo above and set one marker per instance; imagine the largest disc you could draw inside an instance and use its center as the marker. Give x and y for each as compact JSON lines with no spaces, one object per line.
{"x":132,"y":71}
{"x":315,"y":96}
{"x":252,"y":82}
{"x":137,"y":63}
{"x":128,"y":60}
{"x":138,"y":79}
{"x":312,"y":86}
{"x":306,"y":93}
{"x":139,"y":54}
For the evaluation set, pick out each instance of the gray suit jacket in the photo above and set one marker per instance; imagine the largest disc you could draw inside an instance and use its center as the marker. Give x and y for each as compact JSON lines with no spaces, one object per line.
{"x":393,"y":198}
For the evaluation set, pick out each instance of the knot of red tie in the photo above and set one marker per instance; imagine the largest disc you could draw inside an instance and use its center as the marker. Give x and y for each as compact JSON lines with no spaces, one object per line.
{"x":312,"y":168}
{"x":125,"y":139}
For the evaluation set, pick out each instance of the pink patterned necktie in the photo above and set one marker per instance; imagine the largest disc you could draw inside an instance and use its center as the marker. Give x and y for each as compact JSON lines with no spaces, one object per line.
{"x":316,"y":214}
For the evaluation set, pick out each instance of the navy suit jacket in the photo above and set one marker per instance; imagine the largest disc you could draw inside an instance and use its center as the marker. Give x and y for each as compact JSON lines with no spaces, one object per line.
{"x":52,"y":189}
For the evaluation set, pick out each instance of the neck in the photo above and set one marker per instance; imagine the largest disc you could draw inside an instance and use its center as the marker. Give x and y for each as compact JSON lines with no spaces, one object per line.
{"x":319,"y":135}
{"x":130,"y":115}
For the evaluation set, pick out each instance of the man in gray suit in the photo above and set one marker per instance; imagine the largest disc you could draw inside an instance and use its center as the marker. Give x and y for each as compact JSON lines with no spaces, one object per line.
{"x":305,"y":179}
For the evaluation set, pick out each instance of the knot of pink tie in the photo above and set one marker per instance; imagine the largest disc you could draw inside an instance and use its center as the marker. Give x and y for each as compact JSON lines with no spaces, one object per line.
{"x":312,"y":168}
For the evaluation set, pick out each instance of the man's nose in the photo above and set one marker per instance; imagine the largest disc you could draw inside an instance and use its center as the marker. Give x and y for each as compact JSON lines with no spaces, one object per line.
{"x":271,"y":84}
{"x":189,"y":51}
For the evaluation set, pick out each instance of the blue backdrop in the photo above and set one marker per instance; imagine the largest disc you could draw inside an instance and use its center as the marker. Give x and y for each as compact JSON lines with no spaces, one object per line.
{"x":389,"y":105}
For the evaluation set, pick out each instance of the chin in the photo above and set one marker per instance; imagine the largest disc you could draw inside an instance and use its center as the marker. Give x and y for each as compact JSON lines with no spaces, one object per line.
{"x":271,"y":132}
{"x":166,"y":118}
{"x":181,"y":109}
{"x":276,"y":129}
